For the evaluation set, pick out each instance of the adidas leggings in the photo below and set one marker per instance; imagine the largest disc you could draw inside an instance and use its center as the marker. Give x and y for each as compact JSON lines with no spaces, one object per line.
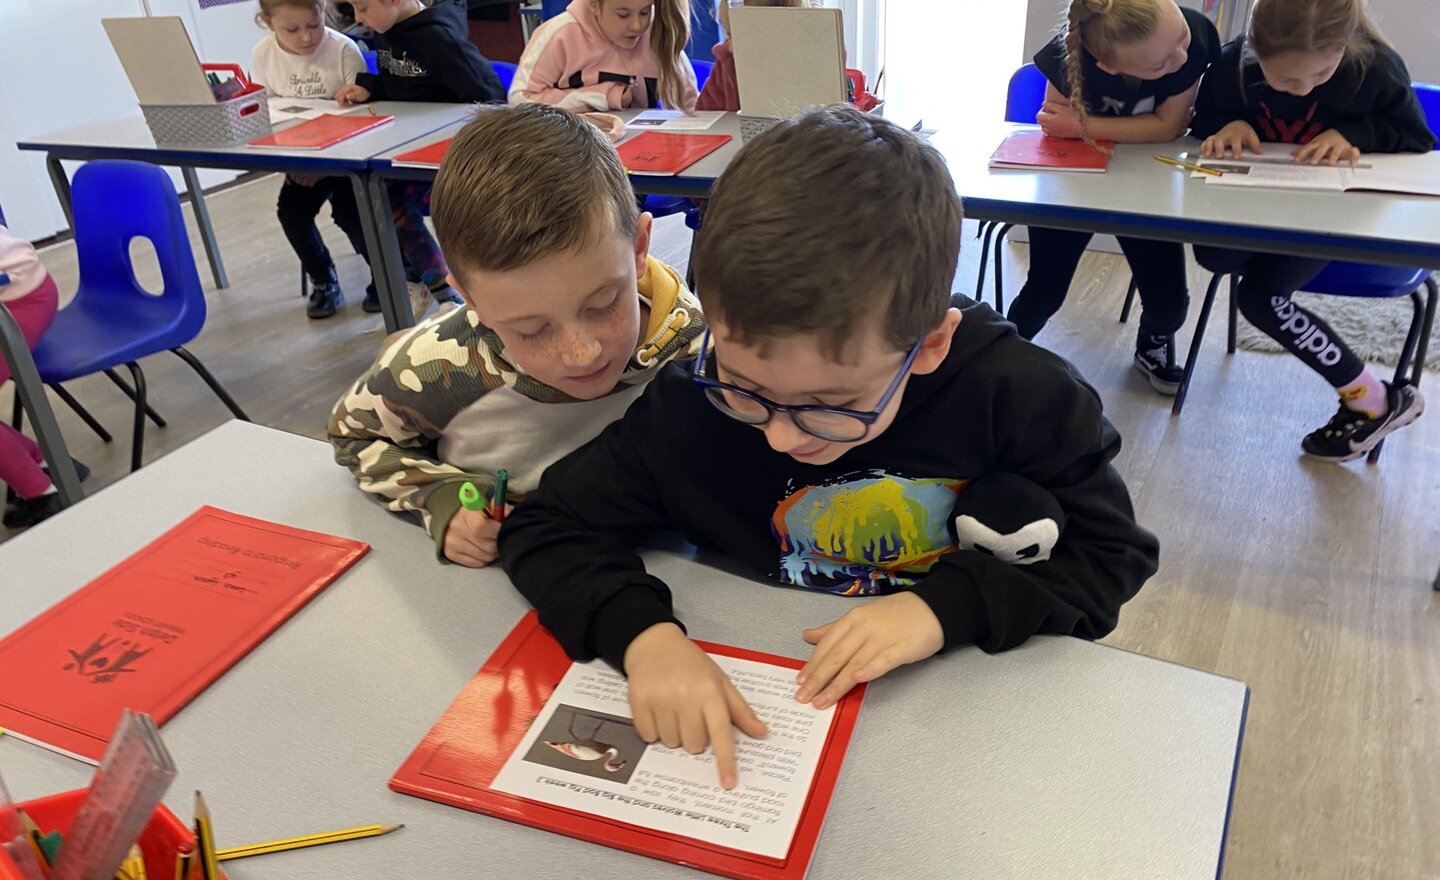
{"x":1267,"y":283}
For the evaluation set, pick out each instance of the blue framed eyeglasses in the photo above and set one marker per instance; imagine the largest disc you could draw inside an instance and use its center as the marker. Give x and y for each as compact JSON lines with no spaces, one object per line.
{"x":832,"y":423}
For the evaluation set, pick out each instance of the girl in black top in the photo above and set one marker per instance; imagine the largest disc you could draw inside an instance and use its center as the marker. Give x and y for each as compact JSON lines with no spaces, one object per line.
{"x":1315,"y":74}
{"x":1121,"y":70}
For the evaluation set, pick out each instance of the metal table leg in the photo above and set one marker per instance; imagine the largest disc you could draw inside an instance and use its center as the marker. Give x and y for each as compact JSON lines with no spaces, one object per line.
{"x":392,"y":289}
{"x":207,"y":231}
{"x":61,"y":182}
{"x":31,"y":392}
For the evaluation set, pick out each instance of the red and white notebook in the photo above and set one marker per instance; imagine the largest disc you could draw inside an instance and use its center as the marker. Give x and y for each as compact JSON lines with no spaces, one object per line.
{"x":323,"y":131}
{"x":154,"y":631}
{"x":425,"y":157}
{"x":539,"y":740}
{"x":661,"y":153}
{"x":1031,"y":150}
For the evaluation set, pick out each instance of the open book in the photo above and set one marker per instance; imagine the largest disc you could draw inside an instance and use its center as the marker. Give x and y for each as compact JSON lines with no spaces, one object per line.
{"x":1416,"y":173}
{"x":537,"y":739}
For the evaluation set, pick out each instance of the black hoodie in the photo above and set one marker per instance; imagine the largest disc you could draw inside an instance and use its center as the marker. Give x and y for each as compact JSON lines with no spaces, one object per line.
{"x":429,"y":57}
{"x":996,"y":404}
{"x":1371,"y":104}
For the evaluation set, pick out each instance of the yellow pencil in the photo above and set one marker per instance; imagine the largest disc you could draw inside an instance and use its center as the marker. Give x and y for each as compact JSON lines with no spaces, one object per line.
{"x":372,"y":110}
{"x":274,"y":846}
{"x":1171,"y":160}
{"x":205,"y":840}
{"x":133,"y":868}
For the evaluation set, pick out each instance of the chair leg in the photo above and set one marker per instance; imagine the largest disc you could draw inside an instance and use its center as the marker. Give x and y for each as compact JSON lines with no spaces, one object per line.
{"x":690,"y":265}
{"x":210,"y":380}
{"x":130,"y":393}
{"x":82,"y":412}
{"x":1230,"y":340}
{"x":1420,"y":308}
{"x":1129,"y":301}
{"x":999,"y":271}
{"x":988,"y":229}
{"x":1195,"y":342}
{"x":137,"y":440}
{"x":1422,"y":348}
{"x":17,"y":418}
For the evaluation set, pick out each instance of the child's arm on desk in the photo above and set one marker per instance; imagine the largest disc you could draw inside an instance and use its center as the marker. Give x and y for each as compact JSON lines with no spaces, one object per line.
{"x":383,"y":431}
{"x":1058,"y":119}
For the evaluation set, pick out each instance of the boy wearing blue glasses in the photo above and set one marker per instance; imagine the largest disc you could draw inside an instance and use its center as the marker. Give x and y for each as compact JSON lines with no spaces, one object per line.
{"x":848,"y":430}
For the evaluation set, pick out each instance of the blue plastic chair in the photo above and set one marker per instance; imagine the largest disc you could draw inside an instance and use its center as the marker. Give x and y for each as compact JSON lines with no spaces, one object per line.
{"x":1341,"y":278}
{"x":372,"y":65}
{"x":704,"y":31}
{"x":702,"y":71}
{"x":551,"y":8}
{"x":506,"y":71}
{"x":113,"y":321}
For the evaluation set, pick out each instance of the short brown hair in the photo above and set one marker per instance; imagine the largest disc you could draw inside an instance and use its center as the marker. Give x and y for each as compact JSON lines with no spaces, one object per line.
{"x":519,"y":183}
{"x":830,"y":221}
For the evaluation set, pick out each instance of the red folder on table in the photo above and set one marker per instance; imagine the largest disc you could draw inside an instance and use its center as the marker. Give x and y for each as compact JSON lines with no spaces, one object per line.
{"x":1032,"y":149}
{"x":425,"y":157}
{"x":154,"y":631}
{"x":321,"y":132}
{"x":663,"y":153}
{"x":464,"y":752}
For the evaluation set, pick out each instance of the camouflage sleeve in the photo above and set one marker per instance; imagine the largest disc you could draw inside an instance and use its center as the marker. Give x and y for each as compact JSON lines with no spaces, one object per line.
{"x":386,"y":430}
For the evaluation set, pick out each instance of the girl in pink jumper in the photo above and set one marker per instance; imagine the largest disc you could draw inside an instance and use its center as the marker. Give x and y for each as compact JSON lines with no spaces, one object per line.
{"x":602,"y":55}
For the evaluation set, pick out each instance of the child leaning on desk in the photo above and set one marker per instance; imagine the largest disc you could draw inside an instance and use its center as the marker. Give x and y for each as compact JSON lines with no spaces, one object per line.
{"x":1127,"y":71}
{"x":1318,"y":76}
{"x":601,"y":55}
{"x":853,"y":431}
{"x":567,"y":318}
{"x":424,"y":54}
{"x":29,"y":292}
{"x":302,"y":58}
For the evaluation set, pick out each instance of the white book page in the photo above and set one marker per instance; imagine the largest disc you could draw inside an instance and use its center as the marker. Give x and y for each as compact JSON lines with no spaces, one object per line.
{"x":582,"y":752}
{"x":1287,"y":175}
{"x":674,"y":120}
{"x":299,"y":109}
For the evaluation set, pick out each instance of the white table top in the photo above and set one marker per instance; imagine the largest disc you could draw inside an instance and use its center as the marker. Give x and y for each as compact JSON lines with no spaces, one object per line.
{"x":1138,"y":195}
{"x":130,"y":138}
{"x":1060,"y":758}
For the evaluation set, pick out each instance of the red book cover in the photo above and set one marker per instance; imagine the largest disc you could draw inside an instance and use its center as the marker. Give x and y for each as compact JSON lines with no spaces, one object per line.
{"x":662,"y":153}
{"x":1032,"y":149}
{"x":154,"y":631}
{"x":425,"y":157}
{"x":461,"y":757}
{"x":321,"y":132}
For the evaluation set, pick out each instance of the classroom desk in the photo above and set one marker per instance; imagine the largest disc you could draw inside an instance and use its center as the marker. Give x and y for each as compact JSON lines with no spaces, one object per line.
{"x":1141,"y":197}
{"x":130,"y":138}
{"x":1062,"y":758}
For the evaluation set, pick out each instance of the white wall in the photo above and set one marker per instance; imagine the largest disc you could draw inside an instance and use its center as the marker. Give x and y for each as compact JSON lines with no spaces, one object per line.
{"x":58,"y":70}
{"x":1414,"y":27}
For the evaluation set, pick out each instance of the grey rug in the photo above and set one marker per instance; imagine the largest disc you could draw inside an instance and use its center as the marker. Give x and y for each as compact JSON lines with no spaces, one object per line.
{"x":1373,"y":328}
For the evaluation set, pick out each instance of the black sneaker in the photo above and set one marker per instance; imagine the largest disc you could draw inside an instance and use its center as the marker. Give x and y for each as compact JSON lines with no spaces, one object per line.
{"x":1350,"y":434}
{"x":325,"y":296}
{"x":1155,"y":359}
{"x":29,"y":511}
{"x":372,"y":299}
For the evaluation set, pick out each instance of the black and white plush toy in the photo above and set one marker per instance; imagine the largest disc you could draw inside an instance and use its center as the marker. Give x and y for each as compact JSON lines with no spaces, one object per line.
{"x":1008,"y":517}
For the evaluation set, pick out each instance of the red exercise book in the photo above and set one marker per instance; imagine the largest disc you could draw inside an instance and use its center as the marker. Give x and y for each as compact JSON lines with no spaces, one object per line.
{"x":1031,"y":149}
{"x":663,"y":153}
{"x":154,"y":631}
{"x":321,"y":132}
{"x":462,"y":757}
{"x":425,"y":157}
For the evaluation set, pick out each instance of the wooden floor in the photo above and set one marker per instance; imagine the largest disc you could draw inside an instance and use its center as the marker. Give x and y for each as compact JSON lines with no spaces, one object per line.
{"x":1310,"y":582}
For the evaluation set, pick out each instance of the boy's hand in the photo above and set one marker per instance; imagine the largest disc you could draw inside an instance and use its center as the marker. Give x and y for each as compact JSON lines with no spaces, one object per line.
{"x":470,"y":538}
{"x":352,"y":94}
{"x":1059,"y":120}
{"x":1328,"y":146}
{"x":866,"y":643}
{"x":1231,"y":140}
{"x":679,"y":696}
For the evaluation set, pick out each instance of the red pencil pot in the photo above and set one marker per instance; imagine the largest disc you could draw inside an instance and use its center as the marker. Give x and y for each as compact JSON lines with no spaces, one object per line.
{"x":159,"y":841}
